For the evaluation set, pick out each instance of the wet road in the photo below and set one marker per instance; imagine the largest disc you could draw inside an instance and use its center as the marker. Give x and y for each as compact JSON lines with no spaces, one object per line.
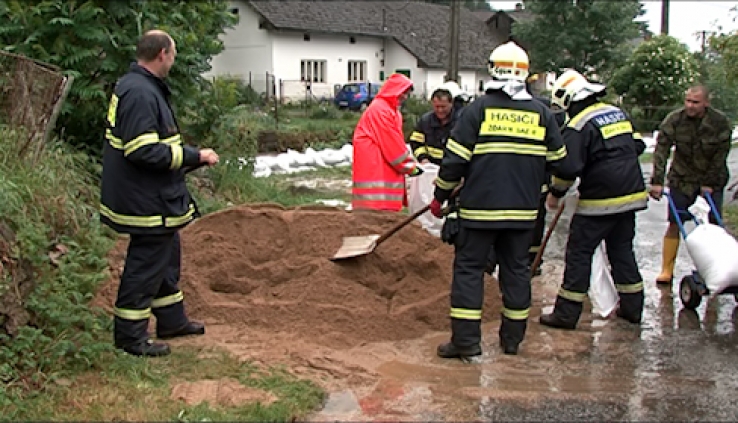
{"x":678,"y":365}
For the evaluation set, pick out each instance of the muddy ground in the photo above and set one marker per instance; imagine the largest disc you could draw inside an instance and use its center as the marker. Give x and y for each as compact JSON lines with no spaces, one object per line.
{"x":367,"y":330}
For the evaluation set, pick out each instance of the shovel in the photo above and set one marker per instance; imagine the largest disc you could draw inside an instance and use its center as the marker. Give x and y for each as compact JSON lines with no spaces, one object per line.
{"x":539,"y":254}
{"x":355,"y":246}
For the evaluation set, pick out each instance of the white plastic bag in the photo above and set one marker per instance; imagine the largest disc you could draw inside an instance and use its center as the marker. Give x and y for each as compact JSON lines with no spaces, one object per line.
{"x":602,"y":292}
{"x":715,"y":255}
{"x":420,"y":194}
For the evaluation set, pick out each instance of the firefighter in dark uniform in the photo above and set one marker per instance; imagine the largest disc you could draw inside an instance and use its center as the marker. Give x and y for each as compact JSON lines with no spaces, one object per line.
{"x":144,"y":195}
{"x":428,"y":139}
{"x":603,"y":153}
{"x":501,"y":146}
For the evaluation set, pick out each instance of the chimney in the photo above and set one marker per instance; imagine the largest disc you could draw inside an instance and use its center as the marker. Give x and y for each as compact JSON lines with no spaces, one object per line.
{"x":518,"y":7}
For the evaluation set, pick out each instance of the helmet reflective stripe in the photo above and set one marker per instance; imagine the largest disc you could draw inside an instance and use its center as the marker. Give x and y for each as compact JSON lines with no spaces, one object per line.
{"x":509,"y":61}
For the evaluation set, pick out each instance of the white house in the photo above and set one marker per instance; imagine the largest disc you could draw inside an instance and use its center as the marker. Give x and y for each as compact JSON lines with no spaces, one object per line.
{"x":298,"y":49}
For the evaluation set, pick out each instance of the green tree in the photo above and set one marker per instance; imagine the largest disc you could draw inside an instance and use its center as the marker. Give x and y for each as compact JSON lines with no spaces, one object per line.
{"x":653,"y":80}
{"x":94,"y":41}
{"x":720,"y":64}
{"x":591,"y":36}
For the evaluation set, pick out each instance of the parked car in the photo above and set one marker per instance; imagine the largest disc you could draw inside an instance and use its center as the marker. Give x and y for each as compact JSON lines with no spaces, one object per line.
{"x":356,"y":95}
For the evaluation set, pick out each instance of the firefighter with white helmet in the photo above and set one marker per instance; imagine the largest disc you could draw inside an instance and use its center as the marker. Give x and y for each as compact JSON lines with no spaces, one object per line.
{"x":502,"y":146}
{"x":603,"y":154}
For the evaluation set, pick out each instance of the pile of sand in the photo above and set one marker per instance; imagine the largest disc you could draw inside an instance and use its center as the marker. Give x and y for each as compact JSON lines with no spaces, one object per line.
{"x":266,"y":268}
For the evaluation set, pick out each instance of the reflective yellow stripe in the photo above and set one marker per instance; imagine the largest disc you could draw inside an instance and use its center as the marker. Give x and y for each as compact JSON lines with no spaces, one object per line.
{"x":561,"y":184}
{"x":466,"y":314}
{"x":614,"y":201}
{"x":175,"y":139}
{"x":114,"y":141}
{"x":458,"y":149}
{"x":559,"y":154}
{"x":420,"y":151}
{"x":129,"y":314}
{"x":578,"y":121}
{"x":436,"y":153}
{"x":629,"y":288}
{"x":544,"y":188}
{"x":615,"y":129}
{"x":177,"y":156}
{"x":534,"y":249}
{"x":637,"y":136}
{"x":613,"y":205}
{"x":510,"y":148}
{"x":440,"y":183}
{"x":173,"y":221}
{"x":417,"y":136}
{"x":168,"y":300}
{"x":112,"y":110}
{"x":497,"y":215}
{"x":137,"y":221}
{"x":140,"y":141}
{"x":572,"y":296}
{"x":515,"y":314}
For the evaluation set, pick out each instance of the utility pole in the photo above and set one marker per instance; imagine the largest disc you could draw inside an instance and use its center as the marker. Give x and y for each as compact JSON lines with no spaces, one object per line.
{"x":452,"y":72}
{"x":664,"y":17}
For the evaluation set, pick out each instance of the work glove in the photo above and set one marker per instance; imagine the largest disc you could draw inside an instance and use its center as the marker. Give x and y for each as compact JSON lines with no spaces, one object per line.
{"x":435,"y":208}
{"x":417,"y":171}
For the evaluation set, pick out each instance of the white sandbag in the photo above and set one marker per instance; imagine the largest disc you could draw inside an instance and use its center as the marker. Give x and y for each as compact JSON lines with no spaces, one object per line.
{"x":315,"y":159}
{"x":715,"y":255}
{"x":332,"y":157}
{"x":602,"y":292}
{"x":282,"y":163}
{"x":348,"y":152}
{"x":420,"y":193}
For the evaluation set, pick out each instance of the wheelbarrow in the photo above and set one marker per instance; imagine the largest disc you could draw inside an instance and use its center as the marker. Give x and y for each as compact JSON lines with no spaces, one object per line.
{"x":692,"y":287}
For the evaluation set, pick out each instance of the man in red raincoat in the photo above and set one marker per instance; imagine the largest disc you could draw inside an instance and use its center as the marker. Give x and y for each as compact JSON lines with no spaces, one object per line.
{"x":381,"y":158}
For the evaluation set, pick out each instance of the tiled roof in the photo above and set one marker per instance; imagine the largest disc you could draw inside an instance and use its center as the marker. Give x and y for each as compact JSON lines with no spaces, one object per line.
{"x":422,"y":28}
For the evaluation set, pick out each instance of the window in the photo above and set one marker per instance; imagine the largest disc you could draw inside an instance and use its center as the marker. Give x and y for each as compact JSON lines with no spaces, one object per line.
{"x":313,"y":70}
{"x":352,"y":40}
{"x":381,"y":75}
{"x":405,"y":72}
{"x":356,"y":70}
{"x":306,"y":37}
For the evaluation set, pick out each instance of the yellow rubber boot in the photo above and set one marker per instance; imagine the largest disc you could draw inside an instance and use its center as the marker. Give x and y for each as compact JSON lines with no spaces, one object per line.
{"x":668,"y":258}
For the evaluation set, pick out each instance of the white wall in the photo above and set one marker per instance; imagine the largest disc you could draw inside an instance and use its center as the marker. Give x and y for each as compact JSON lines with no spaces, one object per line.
{"x":397,"y":58}
{"x":248,"y":50}
{"x":290,"y":49}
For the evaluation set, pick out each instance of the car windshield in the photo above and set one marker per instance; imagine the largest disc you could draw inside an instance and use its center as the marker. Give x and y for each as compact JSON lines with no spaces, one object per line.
{"x":350,"y":88}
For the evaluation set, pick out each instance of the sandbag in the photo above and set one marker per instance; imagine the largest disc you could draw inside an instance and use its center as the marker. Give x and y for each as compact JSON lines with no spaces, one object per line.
{"x":602,"y":292}
{"x":715,"y":255}
{"x":420,"y":194}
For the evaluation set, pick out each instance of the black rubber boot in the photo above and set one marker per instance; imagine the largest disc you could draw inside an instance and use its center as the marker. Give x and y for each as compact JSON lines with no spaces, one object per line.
{"x":554,"y":321}
{"x":147,"y":348}
{"x":449,"y":350}
{"x":635,"y":319}
{"x":191,"y":328}
{"x":509,"y":349}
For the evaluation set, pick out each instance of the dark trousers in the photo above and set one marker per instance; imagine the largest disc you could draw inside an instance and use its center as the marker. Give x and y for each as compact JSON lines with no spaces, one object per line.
{"x":149,"y":284}
{"x":538,"y":230}
{"x":585,"y":235}
{"x":683,"y":200}
{"x":467,"y":289}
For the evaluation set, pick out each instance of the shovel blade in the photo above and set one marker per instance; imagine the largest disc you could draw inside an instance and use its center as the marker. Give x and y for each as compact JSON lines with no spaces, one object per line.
{"x":355,"y":246}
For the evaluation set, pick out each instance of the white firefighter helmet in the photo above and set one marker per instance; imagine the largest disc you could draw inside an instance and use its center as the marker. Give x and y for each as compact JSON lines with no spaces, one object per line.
{"x":509,"y":62}
{"x":572,"y":86}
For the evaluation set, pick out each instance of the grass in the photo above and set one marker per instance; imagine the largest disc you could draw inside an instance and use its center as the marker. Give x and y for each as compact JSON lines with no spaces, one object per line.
{"x":60,"y":364}
{"x":730,"y":217}
{"x":126,"y":388}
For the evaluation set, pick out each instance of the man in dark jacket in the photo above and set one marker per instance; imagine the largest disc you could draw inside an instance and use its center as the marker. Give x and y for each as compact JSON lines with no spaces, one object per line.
{"x":144,"y":195}
{"x":702,"y":136}
{"x":428,"y":139}
{"x":603,"y":153}
{"x":502,"y":146}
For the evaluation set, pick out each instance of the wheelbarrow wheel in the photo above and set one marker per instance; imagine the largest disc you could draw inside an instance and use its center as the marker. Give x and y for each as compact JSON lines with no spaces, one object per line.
{"x":688,"y":293}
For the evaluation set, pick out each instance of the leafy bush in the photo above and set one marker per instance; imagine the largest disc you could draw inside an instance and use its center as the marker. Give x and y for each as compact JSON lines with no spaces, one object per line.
{"x":51,"y":204}
{"x":654,"y":79}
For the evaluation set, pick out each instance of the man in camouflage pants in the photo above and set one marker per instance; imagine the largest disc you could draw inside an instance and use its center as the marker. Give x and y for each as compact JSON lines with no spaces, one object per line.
{"x":702,"y":137}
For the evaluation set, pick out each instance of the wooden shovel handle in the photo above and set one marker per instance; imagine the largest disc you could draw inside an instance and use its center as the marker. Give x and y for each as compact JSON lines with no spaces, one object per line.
{"x":539,"y":254}
{"x":401,"y":224}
